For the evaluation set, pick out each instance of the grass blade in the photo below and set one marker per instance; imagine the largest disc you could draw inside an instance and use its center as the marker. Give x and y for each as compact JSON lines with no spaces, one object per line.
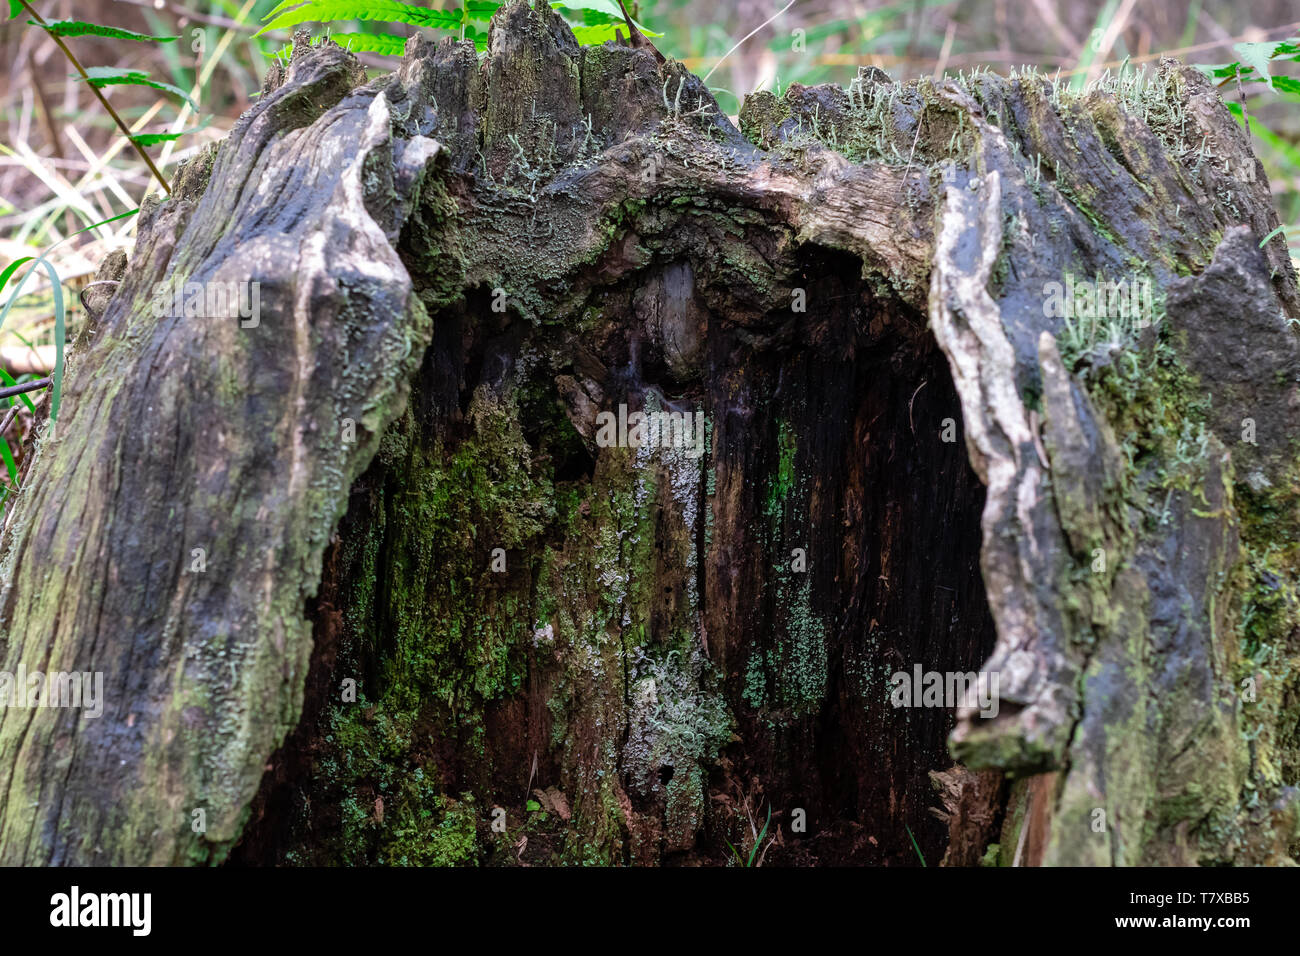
{"x":739,"y":859}
{"x":59,"y":311}
{"x":11,"y":466}
{"x":914,"y":844}
{"x":12,"y":268}
{"x":56,"y":391}
{"x":761,"y":833}
{"x":1265,"y":239}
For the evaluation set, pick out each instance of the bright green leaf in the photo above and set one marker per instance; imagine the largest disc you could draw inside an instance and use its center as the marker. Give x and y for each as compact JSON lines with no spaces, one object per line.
{"x":11,"y":268}
{"x":385,"y":44}
{"x":284,"y":5}
{"x":1286,"y":84}
{"x":153,"y":139}
{"x":76,"y":28}
{"x":10,"y":465}
{"x":595,"y":35}
{"x":608,"y":7}
{"x":101,"y":76}
{"x":480,"y":37}
{"x":598,"y":13}
{"x":389,"y":11}
{"x":481,"y":9}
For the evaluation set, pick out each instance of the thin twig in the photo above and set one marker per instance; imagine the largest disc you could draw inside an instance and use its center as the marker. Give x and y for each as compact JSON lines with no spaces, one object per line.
{"x":1241,"y":92}
{"x":24,"y":387}
{"x":9,"y":420}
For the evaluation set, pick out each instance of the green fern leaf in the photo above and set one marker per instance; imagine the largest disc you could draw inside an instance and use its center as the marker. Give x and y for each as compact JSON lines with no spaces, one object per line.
{"x":15,"y":8}
{"x":153,"y":139}
{"x":102,"y":76}
{"x":595,"y":15}
{"x":284,"y":5}
{"x":76,"y":28}
{"x":1256,"y":55}
{"x":385,"y":44}
{"x":594,"y":35}
{"x":1286,"y":84}
{"x":606,"y":7}
{"x":480,"y":37}
{"x":388,"y":11}
{"x":480,"y":10}
{"x":601,"y":32}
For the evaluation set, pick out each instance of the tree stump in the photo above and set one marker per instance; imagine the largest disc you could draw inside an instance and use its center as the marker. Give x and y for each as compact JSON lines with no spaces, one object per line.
{"x":980,"y":376}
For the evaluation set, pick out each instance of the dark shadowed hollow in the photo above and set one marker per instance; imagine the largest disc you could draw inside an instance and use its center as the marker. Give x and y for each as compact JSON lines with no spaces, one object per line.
{"x":828,"y":537}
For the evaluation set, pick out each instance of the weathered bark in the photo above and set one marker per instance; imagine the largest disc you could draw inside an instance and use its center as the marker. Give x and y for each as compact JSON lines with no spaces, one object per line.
{"x":463,"y":263}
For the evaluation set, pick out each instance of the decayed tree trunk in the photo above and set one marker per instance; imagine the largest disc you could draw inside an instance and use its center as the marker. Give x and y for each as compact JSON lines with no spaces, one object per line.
{"x":398,"y":478}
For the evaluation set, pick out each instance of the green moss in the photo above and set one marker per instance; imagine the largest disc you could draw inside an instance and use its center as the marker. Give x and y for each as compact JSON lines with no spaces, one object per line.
{"x":761,"y":111}
{"x":446,"y":632}
{"x":786,"y":680}
{"x":1161,"y":413}
{"x":424,"y":836}
{"x":1268,"y":667}
{"x":782,"y":482}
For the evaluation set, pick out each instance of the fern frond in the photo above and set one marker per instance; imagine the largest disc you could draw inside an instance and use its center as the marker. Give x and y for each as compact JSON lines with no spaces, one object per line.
{"x":388,"y":11}
{"x":284,"y":5}
{"x":596,"y":13}
{"x":480,"y":10}
{"x":153,"y":139}
{"x":607,"y":8}
{"x":102,"y":76}
{"x":77,"y":28}
{"x":385,"y":44}
{"x":600,"y":33}
{"x":594,"y":35}
{"x":480,"y":37}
